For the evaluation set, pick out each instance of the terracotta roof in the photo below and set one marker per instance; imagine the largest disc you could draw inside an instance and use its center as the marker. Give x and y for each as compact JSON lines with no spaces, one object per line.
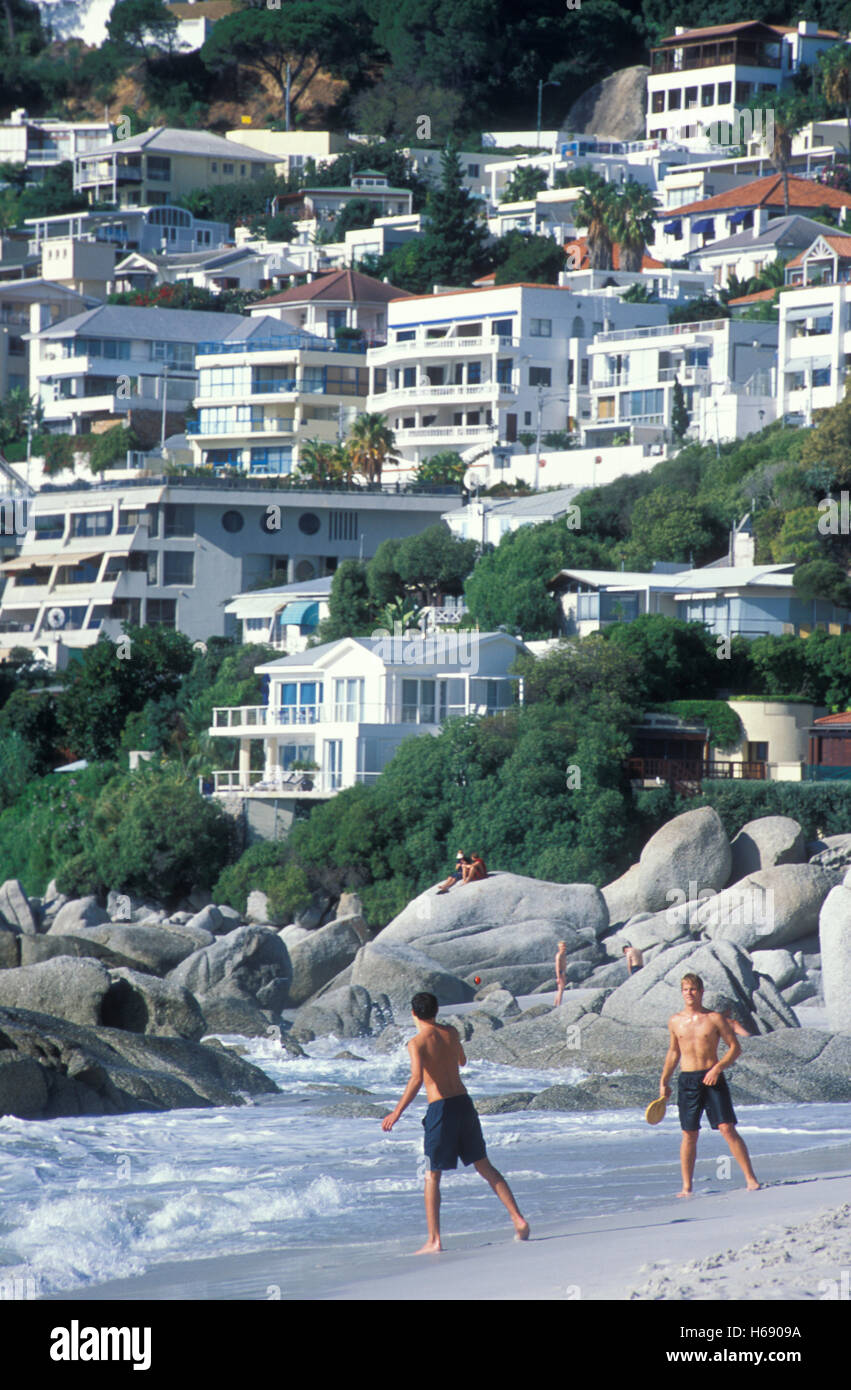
{"x":753,"y":298}
{"x":766,"y":192}
{"x":581,"y":244}
{"x":715,"y":30}
{"x":835,"y":718}
{"x":840,"y":244}
{"x":349,"y":285}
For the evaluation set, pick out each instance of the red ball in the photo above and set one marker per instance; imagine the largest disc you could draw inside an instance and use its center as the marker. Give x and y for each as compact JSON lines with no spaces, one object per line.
{"x":477,"y":980}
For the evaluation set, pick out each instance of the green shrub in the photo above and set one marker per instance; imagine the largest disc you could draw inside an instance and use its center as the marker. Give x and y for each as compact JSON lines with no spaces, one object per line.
{"x":821,"y":808}
{"x":265,"y":866}
{"x":50,"y":824}
{"x":724,"y":725}
{"x":79,"y":876}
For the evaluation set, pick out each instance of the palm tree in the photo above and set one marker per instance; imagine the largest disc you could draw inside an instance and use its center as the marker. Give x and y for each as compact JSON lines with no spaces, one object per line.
{"x":403,"y":610}
{"x":836,"y":80}
{"x":791,"y":111}
{"x":632,"y":222}
{"x":370,"y":441}
{"x":324,"y":462}
{"x":595,"y":210}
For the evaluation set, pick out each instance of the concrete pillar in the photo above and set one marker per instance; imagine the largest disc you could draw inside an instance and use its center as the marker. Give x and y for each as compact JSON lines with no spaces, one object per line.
{"x":270,"y":754}
{"x":244,"y":761}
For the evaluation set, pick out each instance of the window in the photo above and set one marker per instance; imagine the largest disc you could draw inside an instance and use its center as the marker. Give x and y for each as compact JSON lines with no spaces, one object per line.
{"x":174,"y":354}
{"x":504,"y":368}
{"x":49,"y":526}
{"x":473,"y":417}
{"x":233,"y":521}
{"x":379,"y":381}
{"x":342,"y":526}
{"x":178,"y":519}
{"x":159,"y":167}
{"x":725,"y":93}
{"x":308,"y":523}
{"x":691,"y":98}
{"x":527,"y":417}
{"x":501,"y":328}
{"x":743,"y":93}
{"x":451,"y":701}
{"x":707,"y":94}
{"x":606,"y":408}
{"x":348,"y":699}
{"x":474,"y":373}
{"x":335,"y":318}
{"x":91,"y":524}
{"x":409,"y":377}
{"x":405,"y":335}
{"x":583,"y":372}
{"x":159,"y":612}
{"x":418,"y":702}
{"x":214,"y":165}
{"x":540,"y":328}
{"x":227,"y":167}
{"x":469,"y":330}
{"x":178,"y":567}
{"x":821,"y":376}
{"x":472,"y":171}
{"x":658,"y":102}
{"x":540,"y":376}
{"x":153,"y":567}
{"x":675,"y":98}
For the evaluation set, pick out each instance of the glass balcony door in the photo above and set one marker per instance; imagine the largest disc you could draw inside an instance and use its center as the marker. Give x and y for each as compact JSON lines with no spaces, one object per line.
{"x":348,"y":700}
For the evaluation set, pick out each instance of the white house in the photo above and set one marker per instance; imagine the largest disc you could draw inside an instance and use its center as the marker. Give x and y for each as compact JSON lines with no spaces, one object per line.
{"x":749,"y":252}
{"x":747,"y":206}
{"x":814,"y":343}
{"x":335,"y":715}
{"x":724,"y":366}
{"x":340,"y":299}
{"x":488,"y":519}
{"x":284,"y":617}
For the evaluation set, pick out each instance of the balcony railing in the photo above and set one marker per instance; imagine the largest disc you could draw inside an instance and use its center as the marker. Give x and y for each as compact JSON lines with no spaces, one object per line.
{"x":664,"y":330}
{"x":287,"y":343}
{"x":688,"y":772}
{"x":230,"y":719}
{"x":445,"y":432}
{"x":277,"y":782}
{"x":491,"y":343}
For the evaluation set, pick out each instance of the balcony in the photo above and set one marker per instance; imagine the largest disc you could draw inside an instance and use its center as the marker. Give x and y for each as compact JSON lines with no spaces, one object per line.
{"x":292,"y":342}
{"x":423,"y":345}
{"x":242,"y":428}
{"x":681,"y":773}
{"x":415,"y":435}
{"x":233,"y":721}
{"x":664,"y":330}
{"x":445,"y":395}
{"x":276,"y":782}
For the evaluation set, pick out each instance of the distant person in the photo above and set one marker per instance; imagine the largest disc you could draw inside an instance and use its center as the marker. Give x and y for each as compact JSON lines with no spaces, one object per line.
{"x":475,"y":869}
{"x":695,"y":1034}
{"x":452,"y":1128}
{"x":561,"y":971}
{"x":457,"y":875}
{"x":634,"y":958}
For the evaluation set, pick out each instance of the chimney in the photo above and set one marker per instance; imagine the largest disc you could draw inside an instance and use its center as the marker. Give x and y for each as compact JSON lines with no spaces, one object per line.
{"x":807,"y":27}
{"x":760,"y":221}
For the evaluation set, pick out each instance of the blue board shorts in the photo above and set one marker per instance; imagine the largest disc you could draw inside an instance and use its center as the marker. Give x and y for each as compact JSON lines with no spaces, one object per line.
{"x":693,"y":1098}
{"x":452,"y":1131}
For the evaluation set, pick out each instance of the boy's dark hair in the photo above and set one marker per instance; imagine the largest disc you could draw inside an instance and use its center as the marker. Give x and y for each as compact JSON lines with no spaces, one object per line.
{"x":424,"y":1006}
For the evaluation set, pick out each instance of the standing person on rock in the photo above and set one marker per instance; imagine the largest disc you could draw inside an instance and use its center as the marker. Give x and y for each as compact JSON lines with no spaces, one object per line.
{"x":452,"y":1128}
{"x":695,"y":1035}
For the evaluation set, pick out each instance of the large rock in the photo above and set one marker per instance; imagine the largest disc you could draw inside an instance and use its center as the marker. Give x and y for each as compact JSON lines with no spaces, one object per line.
{"x":506,"y":927}
{"x":15,"y":908}
{"x":257,"y":908}
{"x":651,"y":995}
{"x":779,"y":966}
{"x":400,"y":971}
{"x":835,"y":937}
{"x":157,"y":949}
{"x":764,"y":843}
{"x":210,"y":920}
{"x":623,"y":896}
{"x":650,"y":929}
{"x":50,"y":1068}
{"x":10,"y":948}
{"x":770,"y":908}
{"x":322,"y":954}
{"x":236,"y":1014}
{"x":141,"y":1003}
{"x":832,"y":852}
{"x":35,"y":949}
{"x":79,"y":912}
{"x":65,"y":987}
{"x":688,"y":855}
{"x":252,"y":962}
{"x":344,"y":1012}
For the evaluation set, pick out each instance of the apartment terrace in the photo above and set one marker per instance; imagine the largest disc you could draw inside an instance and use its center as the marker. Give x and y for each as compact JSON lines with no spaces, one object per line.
{"x":665,"y":330}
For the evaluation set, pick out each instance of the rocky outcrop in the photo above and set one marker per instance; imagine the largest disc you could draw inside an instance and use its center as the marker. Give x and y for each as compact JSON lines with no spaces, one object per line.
{"x":344,"y":1012}
{"x":835,"y":938}
{"x":15,"y":908}
{"x":764,"y":843}
{"x":320,"y":955}
{"x":51,"y":1068}
{"x":773,"y":907}
{"x":613,"y":108}
{"x":145,"y":1004}
{"x":65,"y":988}
{"x":78,"y":913}
{"x":156,"y":949}
{"x":692,"y":849}
{"x":251,"y":963}
{"x":400,"y":971}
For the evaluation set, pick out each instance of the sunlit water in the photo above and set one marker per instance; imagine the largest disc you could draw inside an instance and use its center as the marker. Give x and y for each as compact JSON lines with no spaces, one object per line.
{"x":91,"y":1199}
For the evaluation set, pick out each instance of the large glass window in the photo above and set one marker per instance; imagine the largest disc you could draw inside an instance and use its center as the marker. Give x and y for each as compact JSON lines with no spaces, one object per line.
{"x":348,"y":699}
{"x":91,"y":524}
{"x":178,"y":519}
{"x":178,"y":567}
{"x":418,"y":703}
{"x":160,"y":612}
{"x":451,"y":698}
{"x":540,"y":328}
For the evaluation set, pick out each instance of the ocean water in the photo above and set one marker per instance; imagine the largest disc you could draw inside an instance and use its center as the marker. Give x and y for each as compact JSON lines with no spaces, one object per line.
{"x":87,"y":1200}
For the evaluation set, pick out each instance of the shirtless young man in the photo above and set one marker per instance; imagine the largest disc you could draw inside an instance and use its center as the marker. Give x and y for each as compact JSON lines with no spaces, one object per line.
{"x":452,"y":1128}
{"x":695,"y":1034}
{"x":561,"y":977}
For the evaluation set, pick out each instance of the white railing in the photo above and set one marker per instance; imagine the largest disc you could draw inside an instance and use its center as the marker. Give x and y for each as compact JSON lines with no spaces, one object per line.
{"x":486,"y":389}
{"x":486,"y":343}
{"x":664,"y":330}
{"x":446,"y":432}
{"x":233,"y":719}
{"x":277,"y":782}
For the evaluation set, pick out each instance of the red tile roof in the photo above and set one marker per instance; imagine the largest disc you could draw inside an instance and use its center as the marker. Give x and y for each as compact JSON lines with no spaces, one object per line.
{"x":752,"y":298}
{"x":767,"y":192}
{"x":835,"y":718}
{"x":580,"y":244}
{"x":348,"y":285}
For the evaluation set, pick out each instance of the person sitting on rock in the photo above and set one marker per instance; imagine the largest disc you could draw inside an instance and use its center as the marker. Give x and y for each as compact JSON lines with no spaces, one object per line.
{"x":474,"y":869}
{"x":462,"y":864}
{"x":634,"y":958}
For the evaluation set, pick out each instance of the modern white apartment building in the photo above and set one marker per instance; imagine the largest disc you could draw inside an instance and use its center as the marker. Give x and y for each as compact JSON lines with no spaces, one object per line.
{"x":470,"y":368}
{"x":814,"y":334}
{"x":18,"y":315}
{"x":152,"y":228}
{"x":699,"y":76}
{"x":292,"y":149}
{"x":475,"y":167}
{"x":263,"y":390}
{"x":284,"y":617}
{"x":174,"y":552}
{"x":42,"y":142}
{"x":724,"y":366}
{"x":117,"y":363}
{"x":550,"y":213}
{"x":336,"y":715}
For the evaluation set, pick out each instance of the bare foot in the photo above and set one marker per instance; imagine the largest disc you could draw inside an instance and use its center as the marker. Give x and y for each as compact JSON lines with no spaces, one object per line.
{"x":431,"y":1247}
{"x":754,"y":1186}
{"x":686,"y":1192}
{"x":521,"y":1229}
{"x":442,"y":890}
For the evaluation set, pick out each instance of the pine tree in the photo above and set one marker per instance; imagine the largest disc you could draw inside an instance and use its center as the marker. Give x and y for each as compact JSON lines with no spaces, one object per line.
{"x":454,"y":244}
{"x":680,"y":418}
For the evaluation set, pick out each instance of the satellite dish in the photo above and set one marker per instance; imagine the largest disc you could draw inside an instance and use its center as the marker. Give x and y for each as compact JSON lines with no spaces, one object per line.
{"x":56,"y":617}
{"x":472,"y":482}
